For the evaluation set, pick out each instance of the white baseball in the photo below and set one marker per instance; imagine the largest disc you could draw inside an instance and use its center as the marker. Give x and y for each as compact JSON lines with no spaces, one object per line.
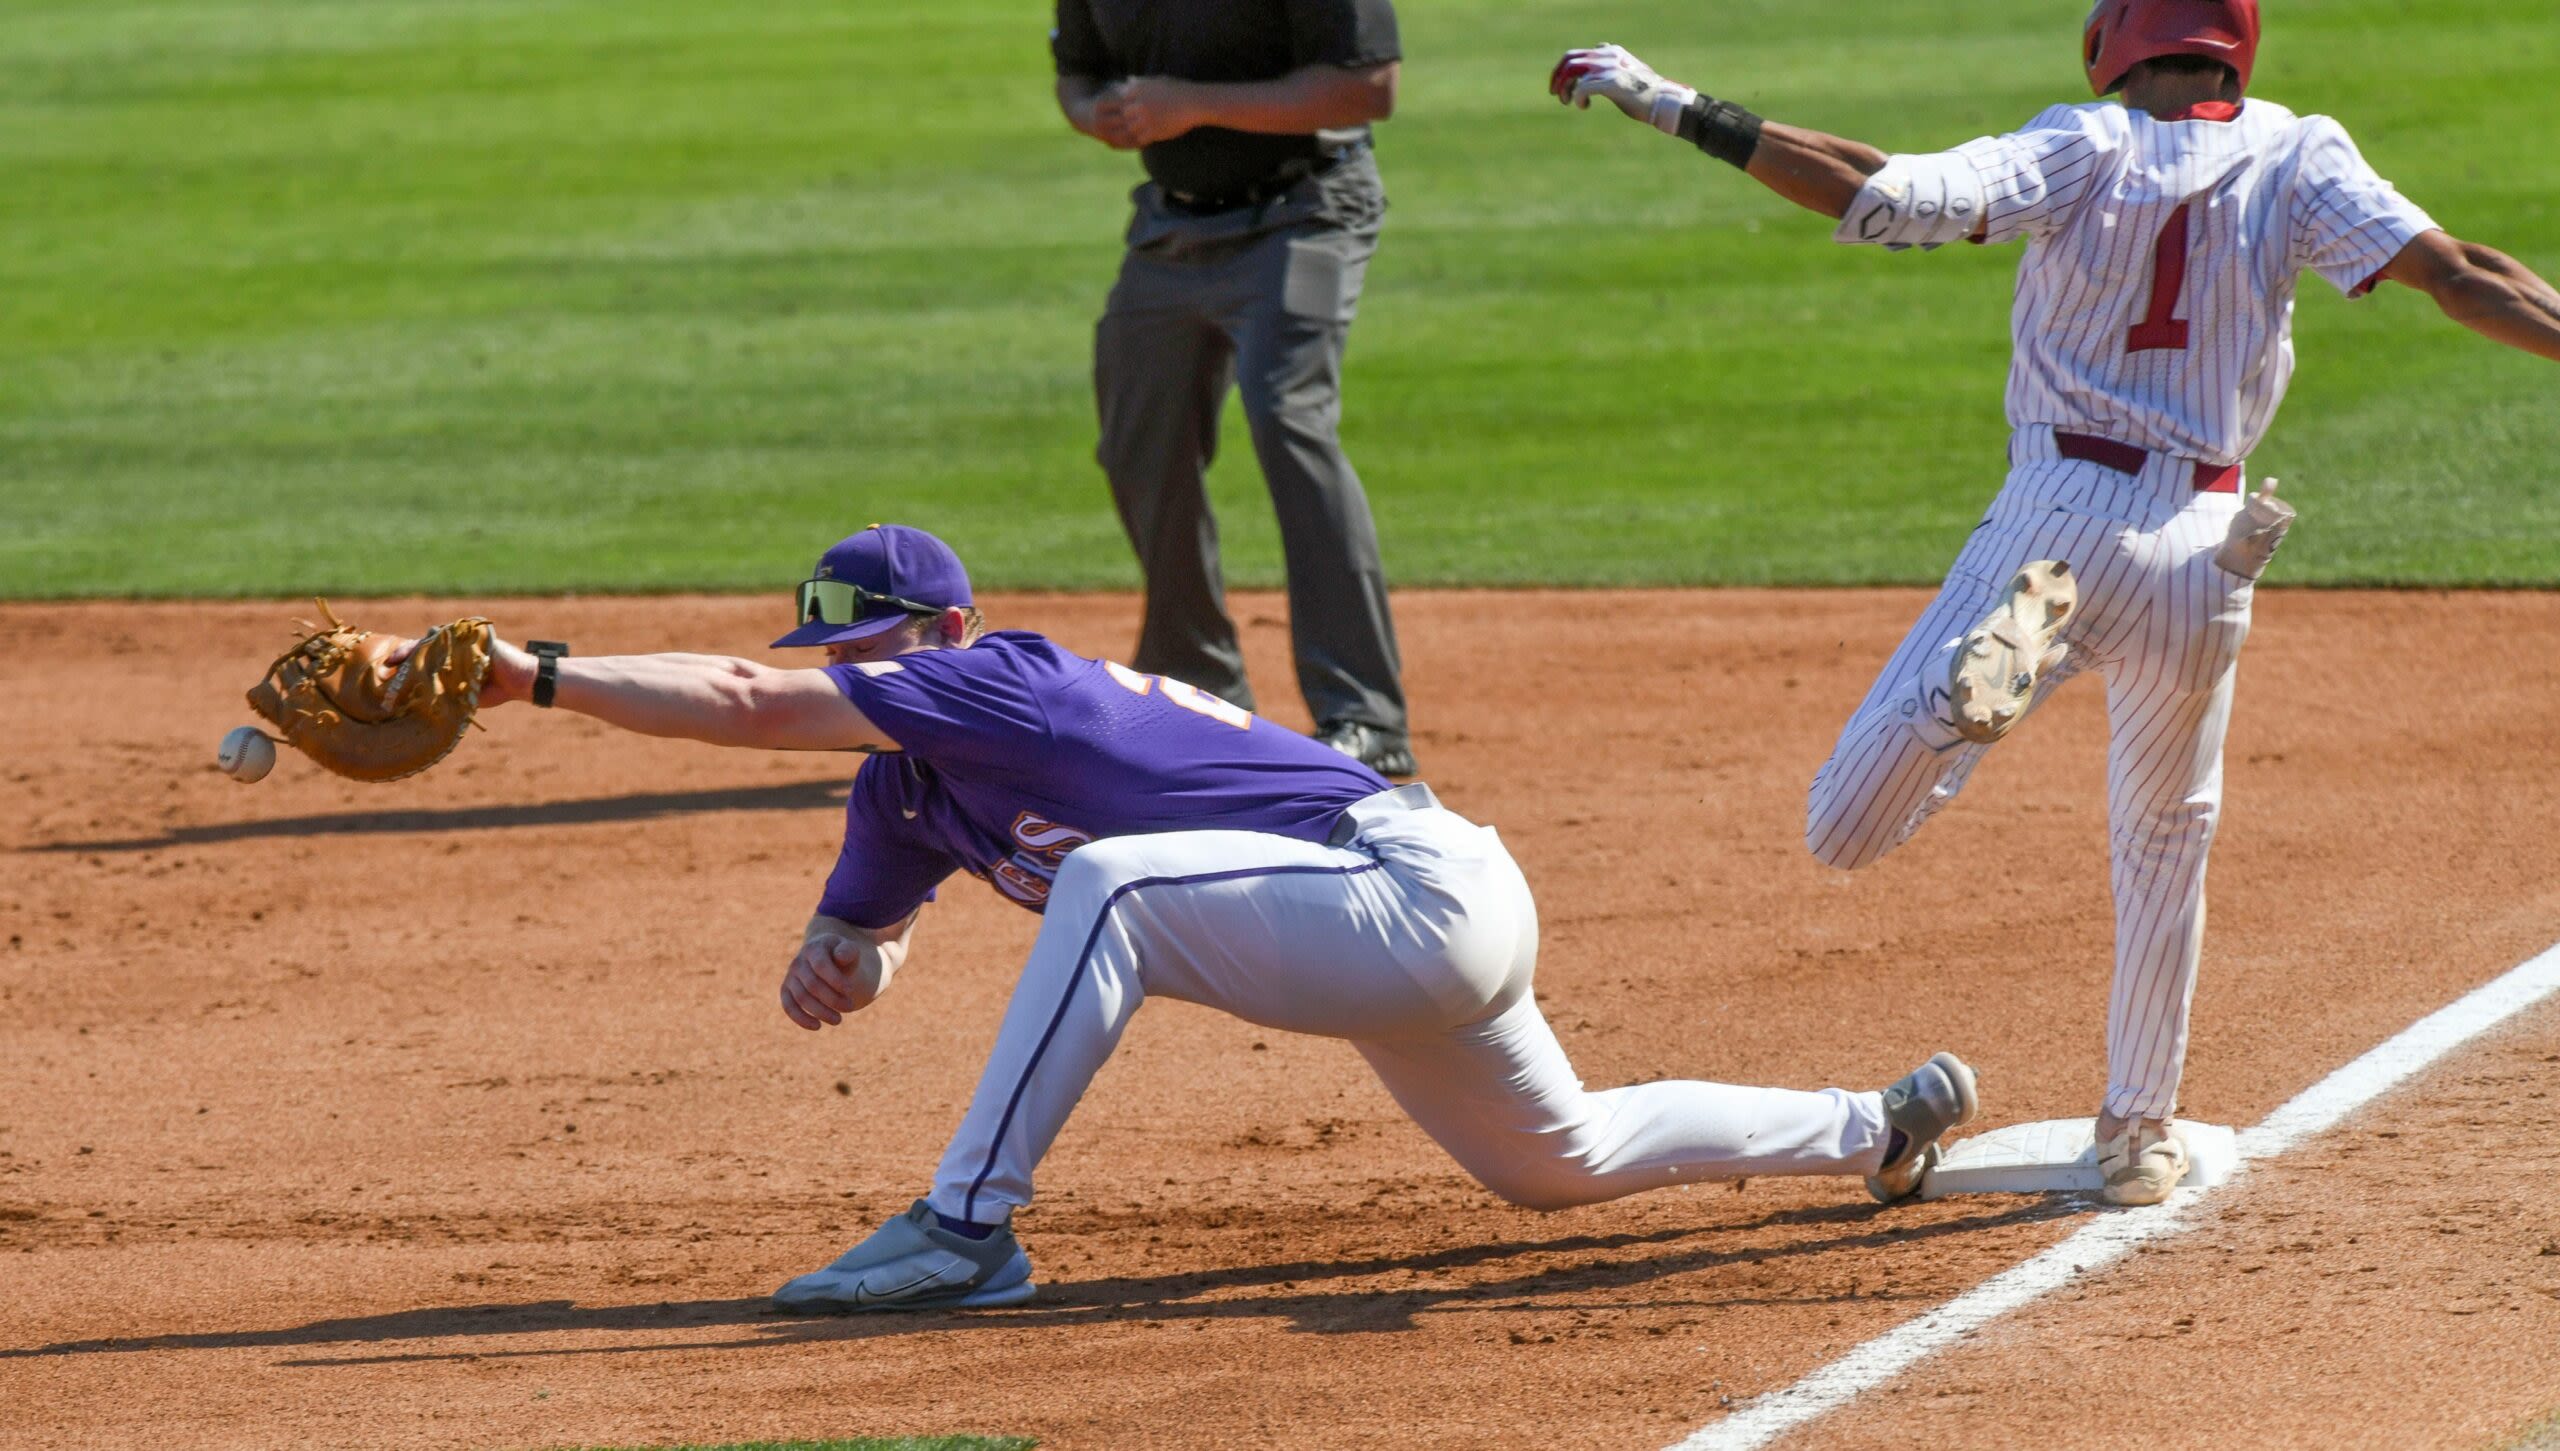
{"x":247,"y":755}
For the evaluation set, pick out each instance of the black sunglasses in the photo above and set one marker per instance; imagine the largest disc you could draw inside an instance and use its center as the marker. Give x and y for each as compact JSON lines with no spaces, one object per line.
{"x":834,"y":602}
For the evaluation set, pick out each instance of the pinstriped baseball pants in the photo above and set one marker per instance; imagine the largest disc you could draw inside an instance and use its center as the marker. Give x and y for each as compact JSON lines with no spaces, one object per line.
{"x":2163,"y":624}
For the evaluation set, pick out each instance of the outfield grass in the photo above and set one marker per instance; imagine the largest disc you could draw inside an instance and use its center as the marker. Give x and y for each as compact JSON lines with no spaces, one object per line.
{"x":489,"y":295}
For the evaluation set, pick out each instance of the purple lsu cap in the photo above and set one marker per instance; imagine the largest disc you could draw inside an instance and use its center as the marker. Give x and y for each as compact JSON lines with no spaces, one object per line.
{"x":885,"y":559}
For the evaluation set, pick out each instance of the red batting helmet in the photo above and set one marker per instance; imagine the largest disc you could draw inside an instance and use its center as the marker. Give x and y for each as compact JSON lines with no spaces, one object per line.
{"x":2124,"y":33}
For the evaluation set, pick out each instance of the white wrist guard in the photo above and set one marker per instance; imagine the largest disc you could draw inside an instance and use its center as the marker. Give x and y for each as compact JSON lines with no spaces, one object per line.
{"x":1668,"y":102}
{"x":1916,"y":201}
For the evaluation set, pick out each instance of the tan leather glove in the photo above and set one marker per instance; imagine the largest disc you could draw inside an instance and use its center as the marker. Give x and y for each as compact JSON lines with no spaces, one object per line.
{"x":338,"y":699}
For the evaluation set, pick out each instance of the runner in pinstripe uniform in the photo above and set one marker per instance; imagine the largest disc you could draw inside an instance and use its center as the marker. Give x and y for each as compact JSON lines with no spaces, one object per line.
{"x":2153,"y":332}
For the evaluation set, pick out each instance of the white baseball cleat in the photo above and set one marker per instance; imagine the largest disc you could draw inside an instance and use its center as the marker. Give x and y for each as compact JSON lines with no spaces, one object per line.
{"x":1926,"y":1104}
{"x":2142,"y":1161}
{"x":1994,"y":673}
{"x":913,"y":1263}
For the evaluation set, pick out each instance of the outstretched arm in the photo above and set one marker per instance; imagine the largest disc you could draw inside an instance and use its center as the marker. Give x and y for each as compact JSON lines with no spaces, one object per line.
{"x":2483,"y":289}
{"x":1819,"y":172}
{"x":713,"y":698}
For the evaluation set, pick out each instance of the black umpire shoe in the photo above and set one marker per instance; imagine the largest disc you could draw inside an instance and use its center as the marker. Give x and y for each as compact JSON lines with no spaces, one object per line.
{"x":1369,"y":746}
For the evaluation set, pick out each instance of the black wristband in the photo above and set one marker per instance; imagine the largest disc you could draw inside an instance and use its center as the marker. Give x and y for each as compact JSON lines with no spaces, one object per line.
{"x":1721,"y":129}
{"x":546,"y":675}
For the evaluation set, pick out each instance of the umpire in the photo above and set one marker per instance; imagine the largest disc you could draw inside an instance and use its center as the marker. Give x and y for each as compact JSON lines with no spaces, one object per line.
{"x":1245,"y":259}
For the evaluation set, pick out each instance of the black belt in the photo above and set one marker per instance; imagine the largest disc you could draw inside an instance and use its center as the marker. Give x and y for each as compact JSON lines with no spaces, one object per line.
{"x":1209,"y":204}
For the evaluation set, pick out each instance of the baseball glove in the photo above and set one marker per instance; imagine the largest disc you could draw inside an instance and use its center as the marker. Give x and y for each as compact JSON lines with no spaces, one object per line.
{"x":339,"y":700}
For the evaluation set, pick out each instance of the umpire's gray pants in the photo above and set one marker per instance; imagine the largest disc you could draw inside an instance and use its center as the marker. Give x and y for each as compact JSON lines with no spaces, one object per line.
{"x":1202,"y":303}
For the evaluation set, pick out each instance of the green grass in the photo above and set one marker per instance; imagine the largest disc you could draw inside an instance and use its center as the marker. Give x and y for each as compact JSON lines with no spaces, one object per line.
{"x":488,"y":295}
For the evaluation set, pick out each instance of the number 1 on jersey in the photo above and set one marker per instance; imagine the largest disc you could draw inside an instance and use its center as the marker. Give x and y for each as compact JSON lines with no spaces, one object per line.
{"x":2160,"y":327}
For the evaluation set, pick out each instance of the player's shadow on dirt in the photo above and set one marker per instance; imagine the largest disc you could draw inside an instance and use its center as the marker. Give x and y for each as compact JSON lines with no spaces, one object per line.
{"x":643,"y":806}
{"x":1601,"y":1268}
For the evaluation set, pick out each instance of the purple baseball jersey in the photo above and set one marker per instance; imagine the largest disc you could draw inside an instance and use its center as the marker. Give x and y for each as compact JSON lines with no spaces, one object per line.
{"x":1016,"y":751}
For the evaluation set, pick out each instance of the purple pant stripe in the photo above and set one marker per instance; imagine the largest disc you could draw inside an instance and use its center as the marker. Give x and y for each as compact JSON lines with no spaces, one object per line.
{"x":1101,"y":917}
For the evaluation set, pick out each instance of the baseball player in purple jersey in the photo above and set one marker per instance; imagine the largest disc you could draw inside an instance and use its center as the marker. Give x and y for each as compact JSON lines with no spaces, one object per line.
{"x":2153,"y":334}
{"x":1177,"y":846}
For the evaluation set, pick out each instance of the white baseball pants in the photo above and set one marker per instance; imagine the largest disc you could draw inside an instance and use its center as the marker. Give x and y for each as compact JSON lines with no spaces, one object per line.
{"x":2163,"y":623}
{"x":1416,"y":941}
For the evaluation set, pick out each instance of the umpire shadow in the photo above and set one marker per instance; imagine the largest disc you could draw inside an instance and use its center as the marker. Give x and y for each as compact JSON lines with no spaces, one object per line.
{"x":643,"y":806}
{"x":1288,"y":1291}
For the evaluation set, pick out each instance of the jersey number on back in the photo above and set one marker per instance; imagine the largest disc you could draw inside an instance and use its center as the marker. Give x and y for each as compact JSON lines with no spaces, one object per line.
{"x":2160,"y":328}
{"x":1189,"y":697}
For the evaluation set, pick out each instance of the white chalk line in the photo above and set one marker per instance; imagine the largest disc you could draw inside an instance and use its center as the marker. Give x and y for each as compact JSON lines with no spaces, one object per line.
{"x":2111,"y":1236}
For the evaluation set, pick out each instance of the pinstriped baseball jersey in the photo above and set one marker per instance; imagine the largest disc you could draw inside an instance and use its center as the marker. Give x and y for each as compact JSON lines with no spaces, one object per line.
{"x":2154,"y":308}
{"x":2155,"y":301}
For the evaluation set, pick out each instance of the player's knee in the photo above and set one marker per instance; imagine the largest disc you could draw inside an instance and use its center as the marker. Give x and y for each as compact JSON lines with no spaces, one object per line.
{"x":2170,"y":824}
{"x":1830,"y":848}
{"x":1545,"y":1171}
{"x":2167,"y":835}
{"x":1839,"y":838}
{"x":1140,"y":439}
{"x":2164,"y":844}
{"x":1542,"y":1198}
{"x":1124,"y":452}
{"x":1291,"y":404}
{"x":1544,"y":1186}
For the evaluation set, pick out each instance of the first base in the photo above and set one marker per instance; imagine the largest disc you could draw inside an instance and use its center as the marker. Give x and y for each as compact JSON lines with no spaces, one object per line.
{"x":2060,"y":1156}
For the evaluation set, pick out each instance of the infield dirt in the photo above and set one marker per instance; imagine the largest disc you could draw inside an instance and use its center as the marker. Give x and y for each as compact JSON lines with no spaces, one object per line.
{"x":459,"y":1112}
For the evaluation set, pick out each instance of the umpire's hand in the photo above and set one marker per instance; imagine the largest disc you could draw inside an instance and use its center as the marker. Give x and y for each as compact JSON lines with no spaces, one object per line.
{"x":1144,"y":110}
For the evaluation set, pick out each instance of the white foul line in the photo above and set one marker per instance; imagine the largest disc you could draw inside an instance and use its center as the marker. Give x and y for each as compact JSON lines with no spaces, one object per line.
{"x":2109,"y":1236}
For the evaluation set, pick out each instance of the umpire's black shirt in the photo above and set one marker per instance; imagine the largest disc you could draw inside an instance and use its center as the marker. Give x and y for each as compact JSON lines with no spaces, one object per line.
{"x":1224,"y":40}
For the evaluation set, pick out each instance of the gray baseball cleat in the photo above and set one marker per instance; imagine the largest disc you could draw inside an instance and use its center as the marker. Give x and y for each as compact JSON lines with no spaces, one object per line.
{"x":913,"y":1263}
{"x":1927,"y":1103}
{"x":1993,"y":677}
